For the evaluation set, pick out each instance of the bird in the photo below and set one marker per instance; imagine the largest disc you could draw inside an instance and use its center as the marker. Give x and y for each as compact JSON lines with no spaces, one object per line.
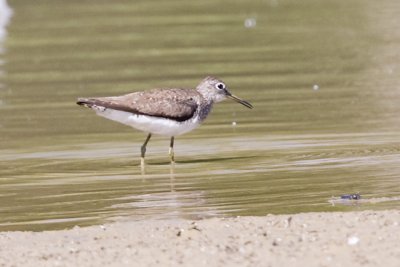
{"x":163,"y":111}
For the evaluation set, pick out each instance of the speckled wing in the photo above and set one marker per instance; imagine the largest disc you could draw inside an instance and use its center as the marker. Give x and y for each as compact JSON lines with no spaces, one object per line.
{"x":175,"y":104}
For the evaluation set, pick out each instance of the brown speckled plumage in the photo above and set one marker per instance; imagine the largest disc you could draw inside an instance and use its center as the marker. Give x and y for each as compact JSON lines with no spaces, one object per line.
{"x":175,"y":104}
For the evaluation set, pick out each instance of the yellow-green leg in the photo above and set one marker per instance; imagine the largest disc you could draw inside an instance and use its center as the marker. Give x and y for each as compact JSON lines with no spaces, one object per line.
{"x":171,"y":150}
{"x":143,"y":150}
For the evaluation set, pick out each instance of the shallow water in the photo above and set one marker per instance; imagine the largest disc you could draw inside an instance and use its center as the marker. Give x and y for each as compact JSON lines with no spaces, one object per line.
{"x":323,"y":78}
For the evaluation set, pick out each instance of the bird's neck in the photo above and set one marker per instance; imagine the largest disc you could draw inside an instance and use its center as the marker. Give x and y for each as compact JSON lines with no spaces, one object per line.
{"x":204,"y":109}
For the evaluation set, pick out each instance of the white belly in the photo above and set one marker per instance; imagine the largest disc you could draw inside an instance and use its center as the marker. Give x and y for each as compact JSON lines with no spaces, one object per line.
{"x":149,"y":124}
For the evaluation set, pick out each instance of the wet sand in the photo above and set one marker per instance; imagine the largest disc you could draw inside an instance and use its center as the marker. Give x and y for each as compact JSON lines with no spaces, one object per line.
{"x":368,"y":238}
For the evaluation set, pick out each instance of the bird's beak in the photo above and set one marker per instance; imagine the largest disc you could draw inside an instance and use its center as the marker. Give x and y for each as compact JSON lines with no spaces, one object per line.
{"x":241,"y":101}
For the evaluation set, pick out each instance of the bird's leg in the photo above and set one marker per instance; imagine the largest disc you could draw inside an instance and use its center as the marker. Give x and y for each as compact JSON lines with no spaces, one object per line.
{"x":143,"y":150}
{"x":171,"y":150}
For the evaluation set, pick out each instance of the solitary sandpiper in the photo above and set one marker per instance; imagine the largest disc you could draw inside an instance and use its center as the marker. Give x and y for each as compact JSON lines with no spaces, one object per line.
{"x":168,"y":112}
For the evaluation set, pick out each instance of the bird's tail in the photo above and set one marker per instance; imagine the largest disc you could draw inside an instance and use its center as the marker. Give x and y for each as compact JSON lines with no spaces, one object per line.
{"x":87,"y":102}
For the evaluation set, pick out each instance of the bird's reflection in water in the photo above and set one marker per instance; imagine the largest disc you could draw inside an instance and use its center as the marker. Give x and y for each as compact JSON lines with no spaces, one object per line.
{"x":171,"y":173}
{"x":172,"y":176}
{"x":170,"y":203}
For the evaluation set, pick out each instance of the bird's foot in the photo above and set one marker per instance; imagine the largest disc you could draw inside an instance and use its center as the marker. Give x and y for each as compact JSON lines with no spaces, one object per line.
{"x":172,"y":155}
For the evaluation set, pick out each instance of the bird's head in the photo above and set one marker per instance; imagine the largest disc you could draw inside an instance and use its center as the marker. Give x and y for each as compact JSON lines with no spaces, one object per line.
{"x":216,"y":91}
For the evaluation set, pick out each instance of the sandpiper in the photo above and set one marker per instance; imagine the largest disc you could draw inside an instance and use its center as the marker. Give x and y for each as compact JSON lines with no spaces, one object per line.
{"x":169,"y":112}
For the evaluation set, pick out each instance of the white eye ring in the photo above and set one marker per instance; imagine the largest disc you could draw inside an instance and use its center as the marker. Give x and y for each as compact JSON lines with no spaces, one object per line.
{"x":220,"y":86}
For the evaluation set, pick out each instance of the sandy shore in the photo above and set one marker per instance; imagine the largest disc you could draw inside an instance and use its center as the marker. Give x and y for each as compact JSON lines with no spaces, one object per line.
{"x":369,"y":238}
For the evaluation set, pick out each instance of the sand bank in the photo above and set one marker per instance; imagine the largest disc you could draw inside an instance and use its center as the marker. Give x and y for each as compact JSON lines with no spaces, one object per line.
{"x":369,"y":238}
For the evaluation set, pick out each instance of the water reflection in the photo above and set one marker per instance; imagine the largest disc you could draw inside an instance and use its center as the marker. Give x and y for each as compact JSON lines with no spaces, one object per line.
{"x":5,"y":17}
{"x":165,"y":205}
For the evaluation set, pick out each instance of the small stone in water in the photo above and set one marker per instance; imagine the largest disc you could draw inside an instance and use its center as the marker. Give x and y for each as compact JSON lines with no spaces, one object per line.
{"x":351,"y":196}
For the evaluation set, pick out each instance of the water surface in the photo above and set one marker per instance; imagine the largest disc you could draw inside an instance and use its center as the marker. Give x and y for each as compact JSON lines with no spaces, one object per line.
{"x":322,"y":76}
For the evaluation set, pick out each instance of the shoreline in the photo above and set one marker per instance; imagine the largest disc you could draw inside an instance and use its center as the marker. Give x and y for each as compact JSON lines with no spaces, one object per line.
{"x":366,"y":238}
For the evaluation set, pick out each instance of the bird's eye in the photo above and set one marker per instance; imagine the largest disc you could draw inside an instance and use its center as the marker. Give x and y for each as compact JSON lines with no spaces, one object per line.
{"x":220,"y":86}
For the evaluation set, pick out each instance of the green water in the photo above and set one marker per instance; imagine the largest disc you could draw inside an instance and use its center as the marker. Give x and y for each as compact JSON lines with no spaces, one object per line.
{"x":322,"y":76}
